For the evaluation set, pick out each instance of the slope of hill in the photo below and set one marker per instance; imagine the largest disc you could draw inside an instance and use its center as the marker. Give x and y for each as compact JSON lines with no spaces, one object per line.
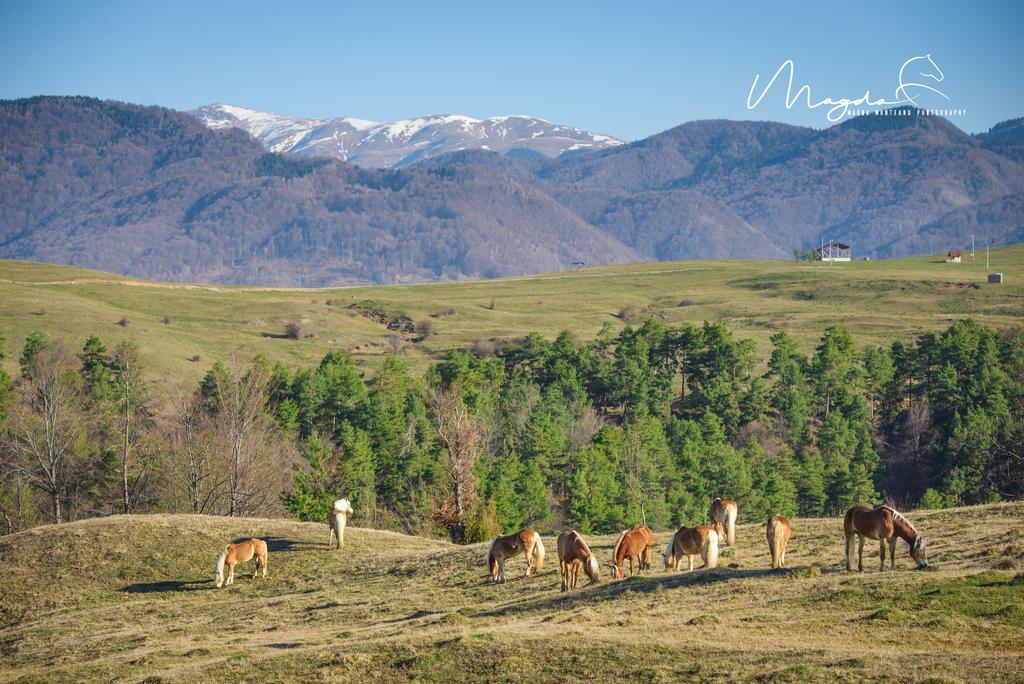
{"x":399,"y":143}
{"x":132,"y":598}
{"x":877,"y":301}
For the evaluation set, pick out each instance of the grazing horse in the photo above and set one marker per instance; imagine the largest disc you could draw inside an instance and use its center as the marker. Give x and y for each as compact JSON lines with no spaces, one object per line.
{"x":778,"y":531}
{"x":573,"y":554}
{"x":701,"y":540}
{"x":526,"y":542}
{"x":723,"y":512}
{"x":236,"y":554}
{"x":632,"y":543}
{"x":337,"y":519}
{"x":885,"y":524}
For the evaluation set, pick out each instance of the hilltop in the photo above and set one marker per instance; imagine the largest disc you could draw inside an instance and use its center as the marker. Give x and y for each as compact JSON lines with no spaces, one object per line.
{"x":132,"y":598}
{"x":878,"y":301}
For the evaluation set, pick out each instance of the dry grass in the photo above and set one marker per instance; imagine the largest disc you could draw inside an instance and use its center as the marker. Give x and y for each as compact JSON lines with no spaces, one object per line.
{"x":131,"y":598}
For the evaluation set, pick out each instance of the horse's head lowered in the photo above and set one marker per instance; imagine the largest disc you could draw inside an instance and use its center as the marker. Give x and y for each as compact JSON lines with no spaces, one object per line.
{"x":918,"y":551}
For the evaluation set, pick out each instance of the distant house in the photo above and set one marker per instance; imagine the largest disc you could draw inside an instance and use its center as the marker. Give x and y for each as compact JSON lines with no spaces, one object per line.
{"x":834,"y":251}
{"x":953,"y":256}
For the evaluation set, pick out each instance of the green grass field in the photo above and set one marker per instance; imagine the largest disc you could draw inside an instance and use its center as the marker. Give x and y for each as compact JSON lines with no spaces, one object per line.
{"x":879,"y":301}
{"x":131,"y":598}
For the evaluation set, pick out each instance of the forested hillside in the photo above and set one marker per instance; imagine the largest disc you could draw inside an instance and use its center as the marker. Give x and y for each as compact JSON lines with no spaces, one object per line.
{"x":643,"y":424}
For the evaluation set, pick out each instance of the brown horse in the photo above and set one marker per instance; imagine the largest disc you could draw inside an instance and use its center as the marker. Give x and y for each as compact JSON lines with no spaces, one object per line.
{"x":526,"y":542}
{"x":701,"y":540}
{"x":778,"y":531}
{"x":573,"y":554}
{"x":235,"y":554}
{"x":632,"y":543}
{"x":885,"y":524}
{"x":723,"y":512}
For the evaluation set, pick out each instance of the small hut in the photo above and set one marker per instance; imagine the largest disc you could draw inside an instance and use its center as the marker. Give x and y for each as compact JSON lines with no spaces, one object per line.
{"x":953,"y":256}
{"x":835,"y":251}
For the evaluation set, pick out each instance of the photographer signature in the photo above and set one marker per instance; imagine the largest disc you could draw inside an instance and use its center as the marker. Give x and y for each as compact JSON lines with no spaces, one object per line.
{"x":906,"y":92}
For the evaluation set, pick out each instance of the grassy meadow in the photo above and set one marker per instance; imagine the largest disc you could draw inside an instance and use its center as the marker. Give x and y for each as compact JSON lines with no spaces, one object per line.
{"x":132,"y":599}
{"x":879,"y":301}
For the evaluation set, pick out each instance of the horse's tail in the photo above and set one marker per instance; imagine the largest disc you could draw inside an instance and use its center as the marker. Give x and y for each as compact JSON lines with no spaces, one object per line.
{"x":218,"y":575}
{"x":775,"y":539}
{"x":490,"y":554}
{"x":710,"y":550}
{"x":538,"y":553}
{"x":730,"y":525}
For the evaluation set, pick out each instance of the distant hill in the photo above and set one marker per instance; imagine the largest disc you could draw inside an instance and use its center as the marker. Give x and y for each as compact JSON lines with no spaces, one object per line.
{"x":154,"y":193}
{"x":151,"y":192}
{"x":877,"y":182}
{"x":399,"y":143}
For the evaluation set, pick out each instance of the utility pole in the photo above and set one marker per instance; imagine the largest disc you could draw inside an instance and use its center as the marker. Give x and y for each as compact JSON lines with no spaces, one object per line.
{"x":986,"y":253}
{"x":972,"y":247}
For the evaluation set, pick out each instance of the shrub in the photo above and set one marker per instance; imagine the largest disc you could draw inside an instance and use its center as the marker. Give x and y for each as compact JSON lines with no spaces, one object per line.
{"x":425,"y":328}
{"x":483,"y":524}
{"x":293,"y":330}
{"x":196,"y":358}
{"x":933,"y":499}
{"x":166,"y":319}
{"x":124,"y":322}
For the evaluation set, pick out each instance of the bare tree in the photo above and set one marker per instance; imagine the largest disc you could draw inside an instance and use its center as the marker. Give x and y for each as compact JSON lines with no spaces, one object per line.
{"x":192,"y":439}
{"x":241,"y":398}
{"x":133,"y":416}
{"x":46,"y":426}
{"x":461,"y":435}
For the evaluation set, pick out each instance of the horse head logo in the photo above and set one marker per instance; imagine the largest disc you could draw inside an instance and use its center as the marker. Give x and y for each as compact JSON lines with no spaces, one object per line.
{"x":909,"y":91}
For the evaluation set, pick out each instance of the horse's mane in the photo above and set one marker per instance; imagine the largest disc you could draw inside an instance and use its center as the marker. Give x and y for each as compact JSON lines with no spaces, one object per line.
{"x":902,"y":518}
{"x":618,"y":543}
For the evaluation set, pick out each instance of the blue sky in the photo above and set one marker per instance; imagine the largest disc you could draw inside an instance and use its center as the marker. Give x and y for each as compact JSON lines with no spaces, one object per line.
{"x":628,"y":69}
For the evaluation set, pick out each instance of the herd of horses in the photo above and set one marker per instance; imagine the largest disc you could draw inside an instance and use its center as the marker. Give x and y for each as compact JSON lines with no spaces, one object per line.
{"x":883,"y":524}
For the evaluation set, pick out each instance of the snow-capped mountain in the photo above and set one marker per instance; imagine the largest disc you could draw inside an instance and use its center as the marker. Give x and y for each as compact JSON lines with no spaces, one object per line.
{"x":400,"y":143}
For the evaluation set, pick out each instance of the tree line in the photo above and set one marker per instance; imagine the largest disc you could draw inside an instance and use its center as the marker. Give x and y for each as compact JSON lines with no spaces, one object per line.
{"x":644,"y":424}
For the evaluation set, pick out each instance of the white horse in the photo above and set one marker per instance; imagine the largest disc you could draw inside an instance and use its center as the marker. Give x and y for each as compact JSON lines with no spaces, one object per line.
{"x":338,"y":518}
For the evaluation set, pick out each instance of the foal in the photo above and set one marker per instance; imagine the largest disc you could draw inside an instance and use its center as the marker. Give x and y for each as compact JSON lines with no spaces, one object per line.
{"x":885,"y":524}
{"x":573,"y":554}
{"x":235,"y":554}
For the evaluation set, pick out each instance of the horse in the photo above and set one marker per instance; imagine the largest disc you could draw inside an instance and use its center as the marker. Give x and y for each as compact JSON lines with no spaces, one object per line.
{"x":526,"y":542}
{"x":632,"y":543}
{"x":723,"y":512}
{"x":885,"y":524}
{"x":337,"y":519}
{"x":236,"y":554}
{"x":573,"y":554}
{"x":778,"y":530}
{"x":701,"y":540}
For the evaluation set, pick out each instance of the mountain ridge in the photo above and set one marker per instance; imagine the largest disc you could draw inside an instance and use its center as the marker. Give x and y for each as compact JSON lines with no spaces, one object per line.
{"x":155,"y":193}
{"x":402,"y":142}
